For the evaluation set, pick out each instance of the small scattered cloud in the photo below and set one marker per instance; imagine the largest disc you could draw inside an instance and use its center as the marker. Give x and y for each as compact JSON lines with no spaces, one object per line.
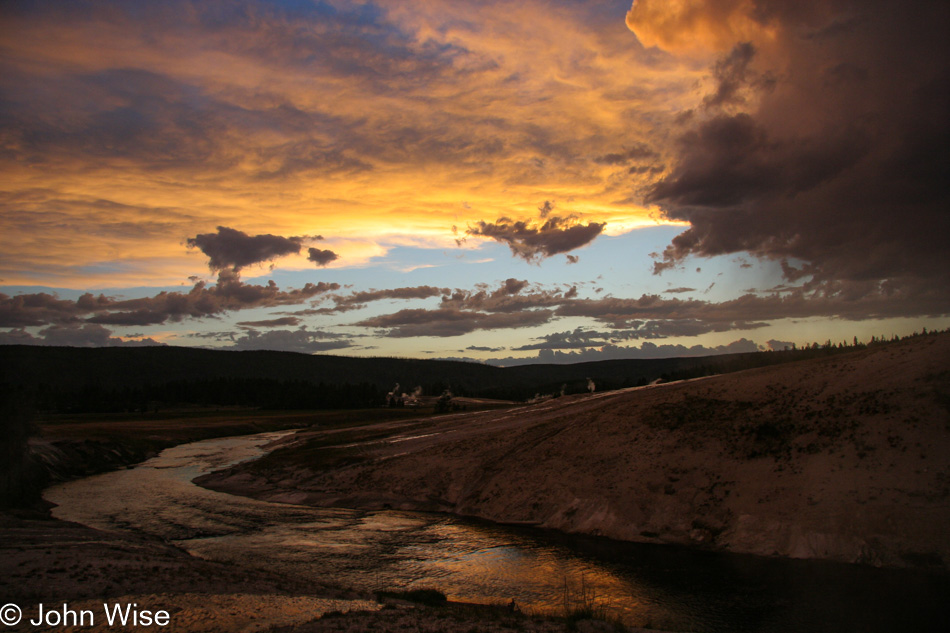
{"x":280,"y":322}
{"x":482,"y":348}
{"x":357,"y":300}
{"x":301,"y":340}
{"x":508,"y":297}
{"x":321,"y":257}
{"x":230,"y":248}
{"x":679,"y":290}
{"x":537,"y":240}
{"x":445,"y":322}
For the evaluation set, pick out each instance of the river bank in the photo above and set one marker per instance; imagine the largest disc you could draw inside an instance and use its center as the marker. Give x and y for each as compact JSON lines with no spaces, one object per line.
{"x":543,"y":571}
{"x":51,"y":561}
{"x":839,"y":459}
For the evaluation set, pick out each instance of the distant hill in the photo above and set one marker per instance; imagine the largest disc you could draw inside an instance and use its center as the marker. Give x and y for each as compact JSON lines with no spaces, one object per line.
{"x":109,"y":379}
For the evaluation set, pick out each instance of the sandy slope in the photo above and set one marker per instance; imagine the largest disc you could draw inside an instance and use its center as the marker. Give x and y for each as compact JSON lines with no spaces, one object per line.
{"x":844,"y":458}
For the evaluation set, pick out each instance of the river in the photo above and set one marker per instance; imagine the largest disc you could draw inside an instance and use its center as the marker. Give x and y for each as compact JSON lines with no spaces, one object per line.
{"x":647,"y":585}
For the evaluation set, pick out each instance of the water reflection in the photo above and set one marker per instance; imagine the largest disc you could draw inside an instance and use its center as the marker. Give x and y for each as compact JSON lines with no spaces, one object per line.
{"x":469,"y":560}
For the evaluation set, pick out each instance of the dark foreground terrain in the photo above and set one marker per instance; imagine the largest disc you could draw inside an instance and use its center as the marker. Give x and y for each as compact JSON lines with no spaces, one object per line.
{"x":843,"y":458}
{"x":52,"y":561}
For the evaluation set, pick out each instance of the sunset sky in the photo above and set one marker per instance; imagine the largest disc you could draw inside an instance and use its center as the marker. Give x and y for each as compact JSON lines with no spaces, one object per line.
{"x":558,"y":181}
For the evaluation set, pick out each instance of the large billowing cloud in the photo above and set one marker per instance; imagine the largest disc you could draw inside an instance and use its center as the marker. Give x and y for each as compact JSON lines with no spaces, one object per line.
{"x":822,"y":144}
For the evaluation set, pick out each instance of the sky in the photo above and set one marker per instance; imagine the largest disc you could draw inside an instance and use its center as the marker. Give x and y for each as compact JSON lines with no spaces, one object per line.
{"x":540,"y":181}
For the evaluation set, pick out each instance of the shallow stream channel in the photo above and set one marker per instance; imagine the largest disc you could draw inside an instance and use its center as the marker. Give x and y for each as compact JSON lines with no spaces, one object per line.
{"x":666,"y":587}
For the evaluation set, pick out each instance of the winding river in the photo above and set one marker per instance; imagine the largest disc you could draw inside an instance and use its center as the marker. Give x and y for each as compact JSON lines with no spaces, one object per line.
{"x":659,"y":586}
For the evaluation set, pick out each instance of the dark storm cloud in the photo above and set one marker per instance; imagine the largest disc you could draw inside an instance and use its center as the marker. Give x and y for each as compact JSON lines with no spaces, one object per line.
{"x":451,"y":322}
{"x":229,"y":294}
{"x":732,"y":75}
{"x":533,"y":241}
{"x":321,"y":257}
{"x":230,"y":248}
{"x":842,"y":162}
{"x":729,"y":163}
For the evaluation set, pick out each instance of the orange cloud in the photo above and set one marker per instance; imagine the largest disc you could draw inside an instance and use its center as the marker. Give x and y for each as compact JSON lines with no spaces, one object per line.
{"x":698,"y":26}
{"x":125,"y":133}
